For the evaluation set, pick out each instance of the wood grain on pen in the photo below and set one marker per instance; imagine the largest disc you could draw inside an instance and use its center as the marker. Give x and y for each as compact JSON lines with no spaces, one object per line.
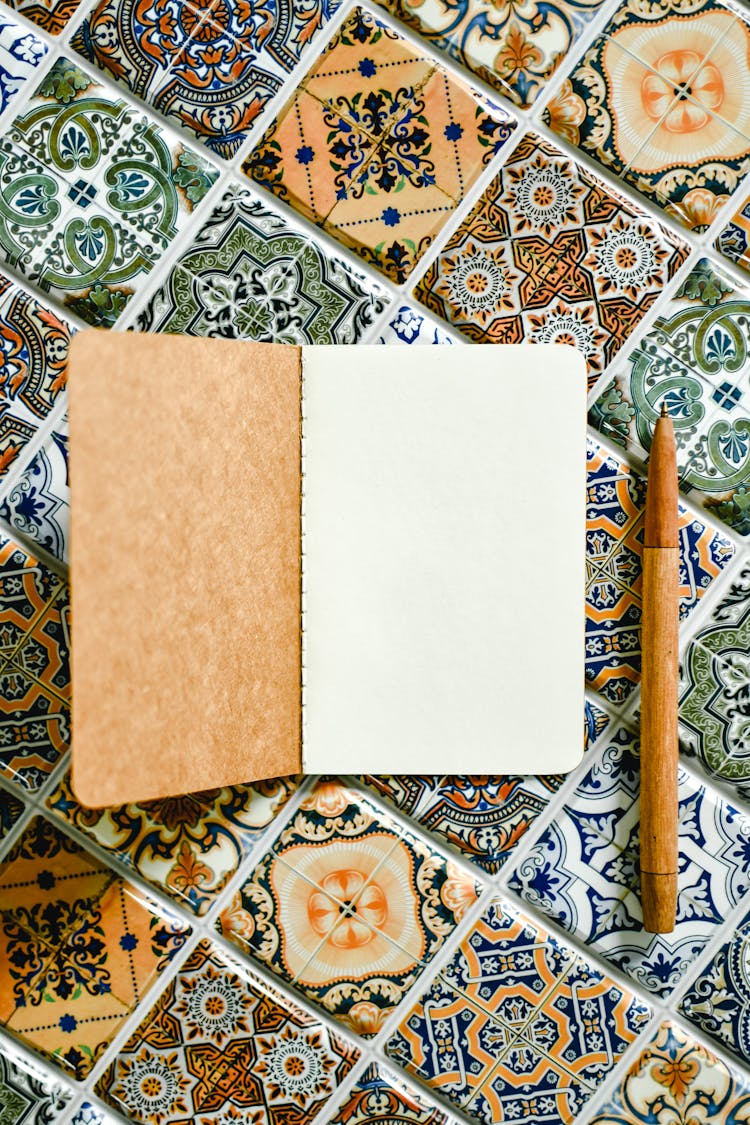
{"x":660,"y":671}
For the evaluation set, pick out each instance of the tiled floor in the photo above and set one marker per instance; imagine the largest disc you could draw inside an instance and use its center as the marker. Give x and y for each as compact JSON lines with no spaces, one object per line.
{"x":427,"y":950}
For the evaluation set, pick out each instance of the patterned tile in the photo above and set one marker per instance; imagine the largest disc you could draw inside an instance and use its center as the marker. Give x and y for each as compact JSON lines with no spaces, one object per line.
{"x":583,"y":870}
{"x":96,"y":193}
{"x":378,"y":145}
{"x":27,"y":588}
{"x":212,"y":67}
{"x":187,"y":846}
{"x":660,"y":100}
{"x":513,"y":1019}
{"x":80,"y":947}
{"x":681,"y":1080}
{"x":247,"y":274}
{"x":348,"y":906}
{"x":20,"y":54}
{"x":549,"y":254}
{"x":51,"y":15}
{"x":718,"y":1001}
{"x":696,"y":360}
{"x":38,"y":505}
{"x":379,"y":1095}
{"x":614,"y":547}
{"x":484,"y":818}
{"x":733,"y":240}
{"x":514,"y":48}
{"x":11,"y":807}
{"x":28,"y":1096}
{"x":219,"y":1045}
{"x":33,"y":361}
{"x":408,"y":326}
{"x":715,"y":689}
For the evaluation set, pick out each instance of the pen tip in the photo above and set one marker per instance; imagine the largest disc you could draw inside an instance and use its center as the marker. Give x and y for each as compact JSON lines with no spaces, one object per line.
{"x":664,"y":411}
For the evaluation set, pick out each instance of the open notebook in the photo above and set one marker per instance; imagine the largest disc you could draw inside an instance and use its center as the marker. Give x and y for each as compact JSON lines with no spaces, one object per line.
{"x":335,"y":559}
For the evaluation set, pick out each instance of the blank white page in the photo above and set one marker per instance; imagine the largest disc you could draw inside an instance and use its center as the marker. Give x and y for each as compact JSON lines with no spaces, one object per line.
{"x":443,"y":559}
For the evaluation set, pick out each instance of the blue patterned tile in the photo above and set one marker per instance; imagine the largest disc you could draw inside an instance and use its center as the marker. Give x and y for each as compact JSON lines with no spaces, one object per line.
{"x":583,"y":871}
{"x":20,"y":54}
{"x":718,"y":1001}
{"x":38,"y":505}
{"x":407,"y":326}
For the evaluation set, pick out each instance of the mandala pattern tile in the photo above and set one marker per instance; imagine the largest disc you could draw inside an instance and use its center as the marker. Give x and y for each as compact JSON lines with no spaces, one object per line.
{"x":348,"y":906}
{"x":248,"y":274}
{"x":379,"y":1095}
{"x":682,"y":1081}
{"x":660,"y":99}
{"x":187,"y":846}
{"x":516,"y":1016}
{"x":715,"y":690}
{"x":550,"y":254}
{"x":696,"y":359}
{"x":94,"y":193}
{"x":614,"y":547}
{"x":378,"y":145}
{"x":718,"y":1002}
{"x":583,"y":870}
{"x":33,"y":354}
{"x":20,"y":53}
{"x":80,"y":947}
{"x":219,"y":1045}
{"x":38,"y":505}
{"x":29,"y":1096}
{"x":514,"y":48}
{"x":51,"y":15}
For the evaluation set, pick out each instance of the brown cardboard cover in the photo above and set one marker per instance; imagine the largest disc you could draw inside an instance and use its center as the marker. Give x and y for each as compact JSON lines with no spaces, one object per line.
{"x":185,"y":563}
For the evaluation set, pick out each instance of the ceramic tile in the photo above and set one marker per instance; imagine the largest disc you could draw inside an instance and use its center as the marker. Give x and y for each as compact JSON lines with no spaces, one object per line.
{"x":44,"y":653}
{"x":683,"y":1079}
{"x":516,"y":1016}
{"x":516,"y":50}
{"x":408,"y":326}
{"x":695,"y":359}
{"x":247,"y":274}
{"x":379,"y":1094}
{"x":88,"y":1114}
{"x":658,"y":99}
{"x":718,"y":1001}
{"x":34,"y":728}
{"x":11,"y":808}
{"x":346,"y":894}
{"x":583,"y":870}
{"x":220,"y":1045}
{"x":27,"y":588}
{"x":187,"y":846}
{"x":20,"y":54}
{"x":29,"y":1096}
{"x":38,"y":505}
{"x":82,"y":947}
{"x":549,"y":254}
{"x":733,"y":240}
{"x":51,"y":15}
{"x":378,"y":145}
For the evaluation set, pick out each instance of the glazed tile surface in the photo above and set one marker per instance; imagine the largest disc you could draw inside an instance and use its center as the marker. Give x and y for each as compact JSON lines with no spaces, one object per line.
{"x":433,"y":949}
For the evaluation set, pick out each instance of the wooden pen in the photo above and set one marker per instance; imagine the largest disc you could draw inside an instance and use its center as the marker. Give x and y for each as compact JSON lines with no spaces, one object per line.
{"x":660,"y":676}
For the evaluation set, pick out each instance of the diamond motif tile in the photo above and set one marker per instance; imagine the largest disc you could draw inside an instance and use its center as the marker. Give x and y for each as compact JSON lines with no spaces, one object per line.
{"x":659,"y":99}
{"x":348,"y":906}
{"x":187,"y":846}
{"x":583,"y":871}
{"x":220,"y":1045}
{"x":549,"y":254}
{"x":38,"y":505}
{"x":516,"y":50}
{"x":80,"y":947}
{"x":247,"y":274}
{"x":378,"y":145}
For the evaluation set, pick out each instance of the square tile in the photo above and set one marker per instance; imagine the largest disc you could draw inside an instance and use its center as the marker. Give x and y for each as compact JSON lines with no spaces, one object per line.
{"x":549,"y":254}
{"x":514,"y":1018}
{"x":658,"y":98}
{"x":27,"y":588}
{"x":220,"y":1043}
{"x":38,"y":505}
{"x":81,"y":947}
{"x":28,"y":1095}
{"x":44,"y":653}
{"x":348,"y":906}
{"x":34,"y":728}
{"x":20,"y":54}
{"x":248,"y":274}
{"x":187,"y":846}
{"x":378,"y":145}
{"x":680,"y":1076}
{"x":583,"y":870}
{"x":379,"y":1094}
{"x":51,"y":15}
{"x":718,"y":1001}
{"x":512,"y":49}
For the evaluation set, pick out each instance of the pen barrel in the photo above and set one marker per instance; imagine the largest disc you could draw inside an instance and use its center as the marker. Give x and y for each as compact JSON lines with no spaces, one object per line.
{"x":659,"y":740}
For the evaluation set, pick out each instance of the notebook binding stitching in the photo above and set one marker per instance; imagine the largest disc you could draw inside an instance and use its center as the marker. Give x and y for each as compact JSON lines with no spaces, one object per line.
{"x":303,"y":643}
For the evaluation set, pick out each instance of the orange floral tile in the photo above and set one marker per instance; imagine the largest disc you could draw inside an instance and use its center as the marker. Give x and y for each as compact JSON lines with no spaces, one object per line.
{"x":34,"y":727}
